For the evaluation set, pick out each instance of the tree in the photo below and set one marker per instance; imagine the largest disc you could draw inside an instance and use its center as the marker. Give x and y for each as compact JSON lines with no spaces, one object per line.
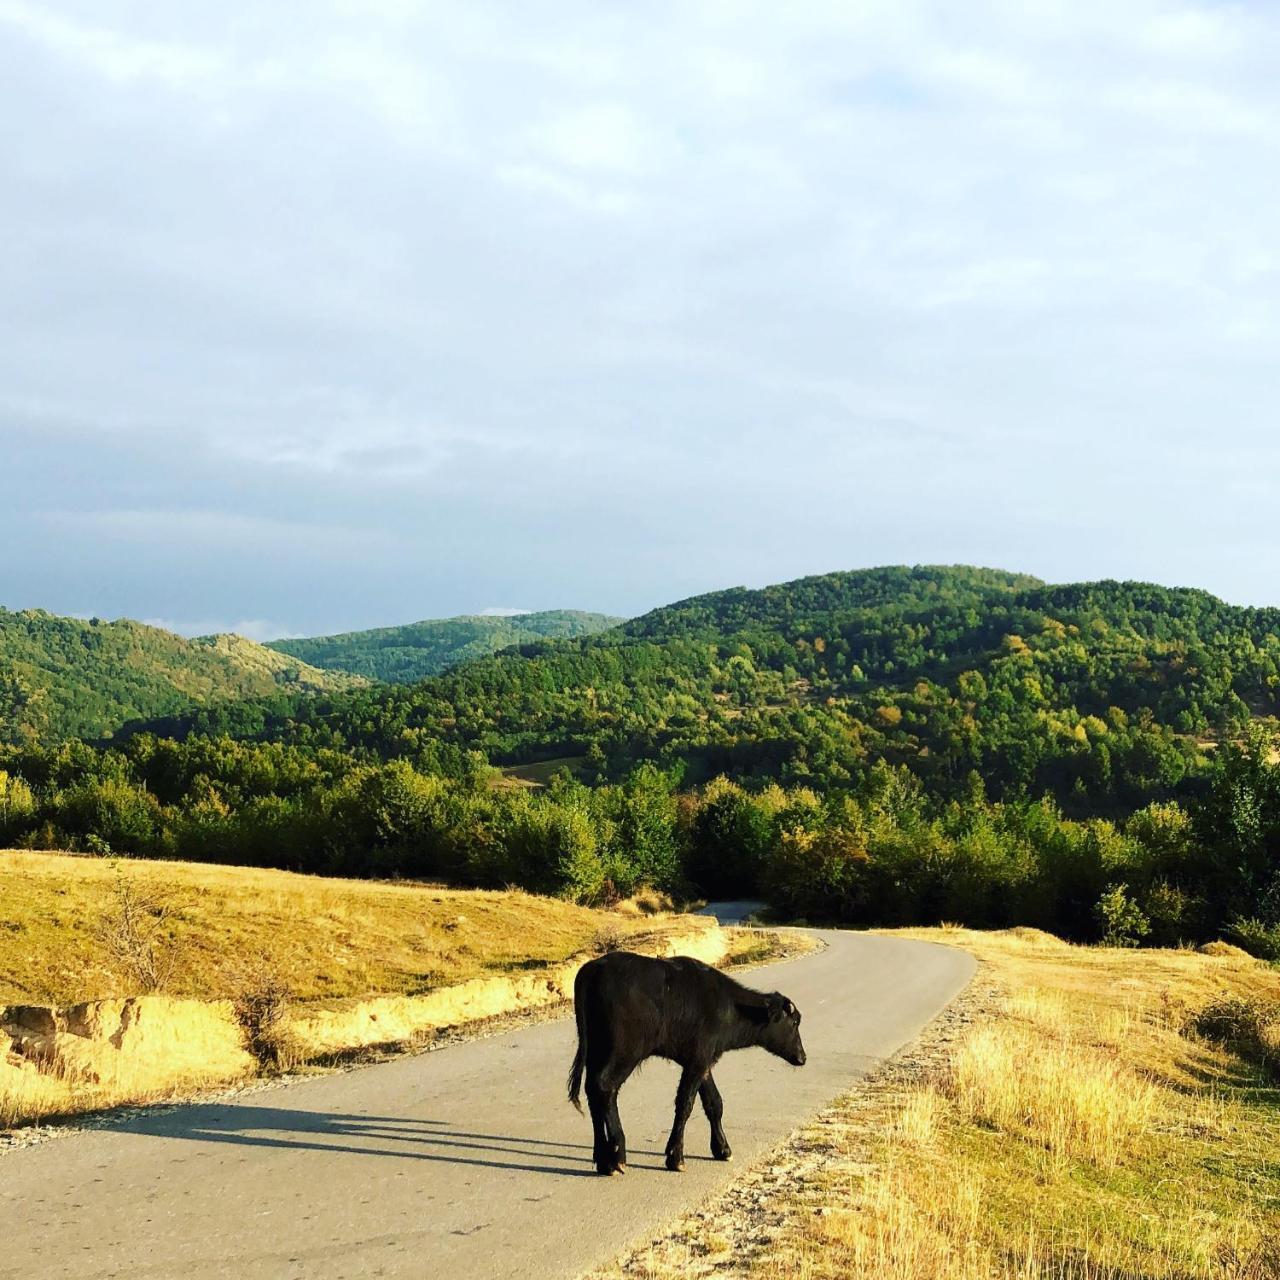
{"x":17,"y":805}
{"x":728,"y":841}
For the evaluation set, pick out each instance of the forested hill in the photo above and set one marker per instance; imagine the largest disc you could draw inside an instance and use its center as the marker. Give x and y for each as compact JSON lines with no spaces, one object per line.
{"x":404,"y":654}
{"x":792,"y":606}
{"x":70,"y":678}
{"x":889,"y":746}
{"x":1103,"y":694}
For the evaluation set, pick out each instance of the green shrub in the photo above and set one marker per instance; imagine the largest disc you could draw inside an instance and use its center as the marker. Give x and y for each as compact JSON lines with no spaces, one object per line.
{"x":1172,"y":912}
{"x":17,"y":805}
{"x":1120,"y":920}
{"x":817,"y":869}
{"x":729,"y":837}
{"x":121,"y":815}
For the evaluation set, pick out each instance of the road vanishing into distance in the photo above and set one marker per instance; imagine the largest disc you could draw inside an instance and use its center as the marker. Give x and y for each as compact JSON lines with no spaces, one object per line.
{"x":467,"y":1162}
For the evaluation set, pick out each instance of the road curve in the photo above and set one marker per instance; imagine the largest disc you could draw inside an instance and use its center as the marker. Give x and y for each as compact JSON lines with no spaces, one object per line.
{"x":467,"y":1162}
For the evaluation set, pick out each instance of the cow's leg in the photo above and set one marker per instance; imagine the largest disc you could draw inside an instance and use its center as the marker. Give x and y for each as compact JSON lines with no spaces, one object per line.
{"x":691,"y":1079}
{"x":713,"y":1105}
{"x":597,"y":1103}
{"x":616,"y":1140}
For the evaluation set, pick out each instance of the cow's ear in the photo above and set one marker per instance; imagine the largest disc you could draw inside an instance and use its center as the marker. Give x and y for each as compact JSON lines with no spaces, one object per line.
{"x":774,"y":1007}
{"x":754,"y":1012}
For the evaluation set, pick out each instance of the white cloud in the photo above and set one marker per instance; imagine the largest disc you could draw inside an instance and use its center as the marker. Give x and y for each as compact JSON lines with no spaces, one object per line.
{"x":114,"y":55}
{"x":589,"y":197}
{"x":1195,"y":32}
{"x":1194,"y":108}
{"x":606,"y":137}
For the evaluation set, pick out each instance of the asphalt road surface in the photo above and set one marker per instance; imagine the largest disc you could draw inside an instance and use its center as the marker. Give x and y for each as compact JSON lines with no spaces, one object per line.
{"x":467,"y":1163}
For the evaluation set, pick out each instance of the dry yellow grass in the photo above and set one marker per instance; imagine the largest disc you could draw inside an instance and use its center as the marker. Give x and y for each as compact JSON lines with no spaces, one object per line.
{"x":1072,"y":1100}
{"x":319,"y":937}
{"x":27,"y":1093}
{"x":1075,"y":1132}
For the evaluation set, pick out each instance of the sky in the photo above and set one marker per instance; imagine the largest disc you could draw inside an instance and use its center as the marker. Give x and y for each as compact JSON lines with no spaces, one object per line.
{"x":316,"y":316}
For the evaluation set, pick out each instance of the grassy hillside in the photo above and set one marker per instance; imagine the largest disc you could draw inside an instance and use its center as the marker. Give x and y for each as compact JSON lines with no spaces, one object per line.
{"x":401,"y":655}
{"x":69,"y":678}
{"x":205,"y":976}
{"x":1094,"y":1114}
{"x":60,"y":920}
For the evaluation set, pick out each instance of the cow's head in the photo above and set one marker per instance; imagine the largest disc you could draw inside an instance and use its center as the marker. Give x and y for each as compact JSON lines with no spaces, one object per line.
{"x":778,"y":1023}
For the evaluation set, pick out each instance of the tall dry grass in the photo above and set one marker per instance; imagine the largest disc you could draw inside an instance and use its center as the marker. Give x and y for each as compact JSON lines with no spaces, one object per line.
{"x":1074,"y":1101}
{"x":1075,"y":1133}
{"x":903,"y":1227}
{"x":28,"y":1094}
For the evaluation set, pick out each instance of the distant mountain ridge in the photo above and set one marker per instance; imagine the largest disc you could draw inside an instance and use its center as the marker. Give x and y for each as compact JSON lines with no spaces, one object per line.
{"x":76,"y":678}
{"x":1103,"y":694}
{"x":406,"y":654}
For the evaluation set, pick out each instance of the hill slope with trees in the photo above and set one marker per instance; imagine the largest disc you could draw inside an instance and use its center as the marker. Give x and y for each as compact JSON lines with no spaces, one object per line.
{"x":1100,"y":694}
{"x":885,"y":746}
{"x":73,"y":678}
{"x":402,"y":655}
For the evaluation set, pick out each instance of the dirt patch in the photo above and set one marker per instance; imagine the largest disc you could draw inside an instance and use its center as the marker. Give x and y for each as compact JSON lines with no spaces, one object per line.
{"x":93,"y":1055}
{"x":101,"y":1040}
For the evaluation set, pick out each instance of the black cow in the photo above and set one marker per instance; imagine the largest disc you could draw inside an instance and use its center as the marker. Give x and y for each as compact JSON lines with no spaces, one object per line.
{"x":632,"y":1007}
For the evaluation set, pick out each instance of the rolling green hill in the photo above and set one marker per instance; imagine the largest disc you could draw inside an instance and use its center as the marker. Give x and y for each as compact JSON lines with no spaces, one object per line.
{"x":881,"y":746}
{"x":401,"y":655}
{"x":1095,"y":692}
{"x":69,"y":678}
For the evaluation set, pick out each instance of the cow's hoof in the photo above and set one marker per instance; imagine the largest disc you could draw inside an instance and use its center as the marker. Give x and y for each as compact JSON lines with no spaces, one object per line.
{"x":676,"y":1166}
{"x":726,"y":1154}
{"x":620,"y":1167}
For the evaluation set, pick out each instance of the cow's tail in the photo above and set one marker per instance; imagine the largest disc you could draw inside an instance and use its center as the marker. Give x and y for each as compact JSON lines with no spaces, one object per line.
{"x":579,"y":1058}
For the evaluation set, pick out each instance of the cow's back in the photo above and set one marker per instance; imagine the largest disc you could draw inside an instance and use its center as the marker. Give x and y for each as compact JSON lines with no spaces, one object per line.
{"x":622,"y":980}
{"x":644,"y":1005}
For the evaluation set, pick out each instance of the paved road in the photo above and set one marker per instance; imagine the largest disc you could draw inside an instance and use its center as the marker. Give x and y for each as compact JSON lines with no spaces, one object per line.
{"x":732,"y":912}
{"x":467,"y":1162}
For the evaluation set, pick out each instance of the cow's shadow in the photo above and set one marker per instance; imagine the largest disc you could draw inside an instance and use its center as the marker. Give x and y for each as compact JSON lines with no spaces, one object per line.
{"x":395,"y":1137}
